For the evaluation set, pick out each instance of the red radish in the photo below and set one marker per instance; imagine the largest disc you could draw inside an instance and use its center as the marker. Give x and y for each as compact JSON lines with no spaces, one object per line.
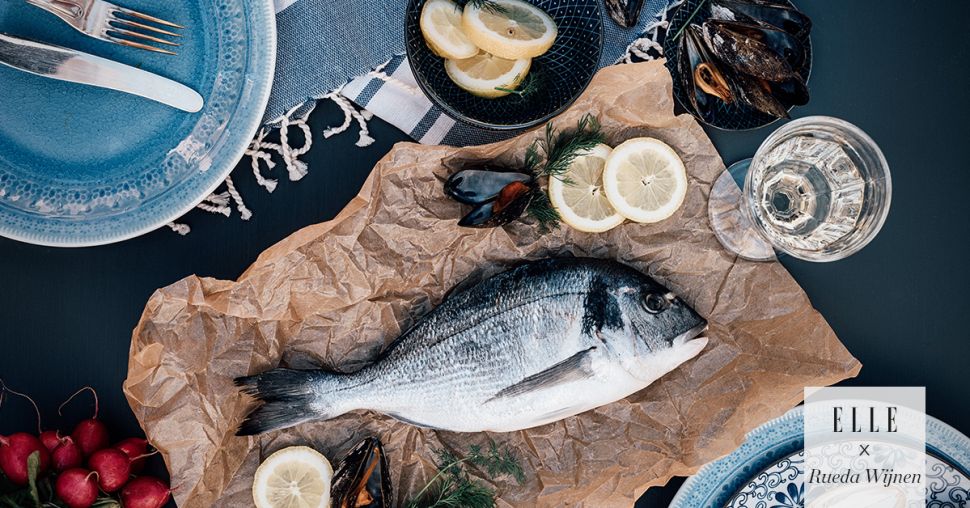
{"x":14,"y":451}
{"x":137,"y":450}
{"x":91,"y":435}
{"x":77,"y":487}
{"x":113,"y":468}
{"x":145,"y":492}
{"x":50,"y":439}
{"x":67,"y":455}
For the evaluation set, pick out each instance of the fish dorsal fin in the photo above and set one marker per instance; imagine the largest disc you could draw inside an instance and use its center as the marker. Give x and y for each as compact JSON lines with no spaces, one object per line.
{"x":574,"y":368}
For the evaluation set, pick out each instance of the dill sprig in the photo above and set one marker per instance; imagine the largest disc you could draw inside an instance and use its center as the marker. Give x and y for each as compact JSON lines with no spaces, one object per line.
{"x":562,"y":148}
{"x":551,"y":156}
{"x":525,"y":89}
{"x":453,"y":487}
{"x":490,"y":5}
{"x":541,"y":209}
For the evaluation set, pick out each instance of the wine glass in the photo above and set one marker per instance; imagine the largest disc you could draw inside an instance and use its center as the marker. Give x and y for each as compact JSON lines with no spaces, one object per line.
{"x":817,"y":189}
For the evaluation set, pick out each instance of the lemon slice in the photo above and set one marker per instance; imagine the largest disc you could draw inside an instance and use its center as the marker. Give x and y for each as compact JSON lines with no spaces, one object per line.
{"x":645,"y":180}
{"x":509,"y":28}
{"x":294,"y":477}
{"x":483,"y":74}
{"x":441,"y":27}
{"x":582,"y":203}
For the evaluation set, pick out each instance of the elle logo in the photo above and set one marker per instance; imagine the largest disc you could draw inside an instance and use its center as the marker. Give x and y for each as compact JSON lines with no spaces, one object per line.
{"x":860,"y":416}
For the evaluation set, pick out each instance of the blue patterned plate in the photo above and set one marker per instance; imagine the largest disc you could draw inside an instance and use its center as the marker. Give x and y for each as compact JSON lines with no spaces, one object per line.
{"x":562,"y":73}
{"x":767,"y":470}
{"x":86,"y":166}
{"x":732,"y":117}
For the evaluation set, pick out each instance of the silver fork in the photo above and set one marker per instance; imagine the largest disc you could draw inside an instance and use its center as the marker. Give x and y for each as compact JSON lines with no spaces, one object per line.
{"x":109,"y":22}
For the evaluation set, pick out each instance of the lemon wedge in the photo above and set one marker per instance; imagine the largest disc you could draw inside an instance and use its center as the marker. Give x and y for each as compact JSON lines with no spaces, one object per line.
{"x":582,"y":203}
{"x":645,"y":180}
{"x":509,"y":29}
{"x":483,"y":74}
{"x":293,"y":477}
{"x":441,"y":26}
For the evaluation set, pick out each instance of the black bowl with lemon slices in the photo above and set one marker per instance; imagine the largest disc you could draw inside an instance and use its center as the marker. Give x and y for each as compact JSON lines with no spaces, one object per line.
{"x":503,"y":64}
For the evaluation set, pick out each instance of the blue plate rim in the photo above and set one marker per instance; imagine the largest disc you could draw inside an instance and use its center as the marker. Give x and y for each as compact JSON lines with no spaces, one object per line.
{"x":944,"y":441}
{"x":220,"y":168}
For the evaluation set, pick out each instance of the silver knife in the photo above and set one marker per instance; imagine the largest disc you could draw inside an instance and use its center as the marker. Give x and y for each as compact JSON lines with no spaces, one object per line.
{"x":69,"y":65}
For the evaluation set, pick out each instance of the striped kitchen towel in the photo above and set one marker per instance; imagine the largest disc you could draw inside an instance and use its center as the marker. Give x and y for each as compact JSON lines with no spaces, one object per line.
{"x":351,"y":52}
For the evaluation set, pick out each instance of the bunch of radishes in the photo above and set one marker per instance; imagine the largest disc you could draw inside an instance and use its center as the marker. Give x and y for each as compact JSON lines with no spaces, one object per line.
{"x":79,"y":470}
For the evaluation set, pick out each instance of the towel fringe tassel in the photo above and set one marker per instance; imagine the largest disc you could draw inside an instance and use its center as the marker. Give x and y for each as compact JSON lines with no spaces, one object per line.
{"x":639,"y":49}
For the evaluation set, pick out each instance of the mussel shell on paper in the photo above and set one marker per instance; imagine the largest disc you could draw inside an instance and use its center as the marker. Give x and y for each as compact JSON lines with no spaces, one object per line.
{"x":777,"y":14}
{"x":624,"y":12}
{"x":509,"y":206}
{"x":363,"y":479}
{"x":482,"y":184}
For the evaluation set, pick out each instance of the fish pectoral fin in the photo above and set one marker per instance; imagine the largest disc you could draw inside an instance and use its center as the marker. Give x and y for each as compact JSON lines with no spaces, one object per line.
{"x":411,"y":422}
{"x":574,"y":368}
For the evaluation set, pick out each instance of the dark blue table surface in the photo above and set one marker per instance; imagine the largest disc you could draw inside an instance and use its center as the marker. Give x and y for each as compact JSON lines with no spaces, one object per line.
{"x":896,"y":68}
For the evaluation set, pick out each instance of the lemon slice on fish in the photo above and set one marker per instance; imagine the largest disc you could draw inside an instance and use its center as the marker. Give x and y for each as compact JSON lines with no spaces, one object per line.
{"x":645,"y":180}
{"x":441,"y":26}
{"x":484,"y":74}
{"x":581,"y":202}
{"x":293,"y":477}
{"x":509,"y":28}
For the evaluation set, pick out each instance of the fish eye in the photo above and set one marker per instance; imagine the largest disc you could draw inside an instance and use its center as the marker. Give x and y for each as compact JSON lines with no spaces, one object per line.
{"x":655,"y":303}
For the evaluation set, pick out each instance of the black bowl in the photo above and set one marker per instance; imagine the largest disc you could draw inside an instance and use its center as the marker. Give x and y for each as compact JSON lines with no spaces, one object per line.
{"x":563,"y":72}
{"x":732,"y":117}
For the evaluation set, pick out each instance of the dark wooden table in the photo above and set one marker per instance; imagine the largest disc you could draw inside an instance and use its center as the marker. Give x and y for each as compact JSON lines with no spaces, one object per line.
{"x":896,"y":68}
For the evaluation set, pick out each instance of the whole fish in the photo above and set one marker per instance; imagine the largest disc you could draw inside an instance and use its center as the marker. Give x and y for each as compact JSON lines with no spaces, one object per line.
{"x":529,"y":346}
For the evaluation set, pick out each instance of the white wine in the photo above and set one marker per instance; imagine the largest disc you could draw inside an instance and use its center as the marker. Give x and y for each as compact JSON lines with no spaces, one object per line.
{"x":809,"y":193}
{"x":818,"y":189}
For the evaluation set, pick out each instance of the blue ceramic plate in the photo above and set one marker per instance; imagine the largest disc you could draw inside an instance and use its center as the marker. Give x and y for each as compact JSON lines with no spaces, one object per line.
{"x":562,"y":73}
{"x":86,"y":166}
{"x":767,"y":470}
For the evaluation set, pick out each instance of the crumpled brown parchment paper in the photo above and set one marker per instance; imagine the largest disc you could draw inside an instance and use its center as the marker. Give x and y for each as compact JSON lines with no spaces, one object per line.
{"x":337,"y":293}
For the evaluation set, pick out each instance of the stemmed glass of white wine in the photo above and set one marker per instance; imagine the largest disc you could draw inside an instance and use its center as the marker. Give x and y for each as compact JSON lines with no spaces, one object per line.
{"x":817,"y":189}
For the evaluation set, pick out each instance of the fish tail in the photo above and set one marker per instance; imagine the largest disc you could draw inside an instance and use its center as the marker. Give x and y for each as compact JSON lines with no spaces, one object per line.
{"x":288,"y":397}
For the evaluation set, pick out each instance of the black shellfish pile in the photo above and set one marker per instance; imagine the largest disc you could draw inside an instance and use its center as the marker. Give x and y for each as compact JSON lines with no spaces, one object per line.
{"x":749,"y":51}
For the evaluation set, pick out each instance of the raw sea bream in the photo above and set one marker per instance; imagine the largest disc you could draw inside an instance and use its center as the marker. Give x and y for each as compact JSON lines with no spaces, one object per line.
{"x":529,"y":346}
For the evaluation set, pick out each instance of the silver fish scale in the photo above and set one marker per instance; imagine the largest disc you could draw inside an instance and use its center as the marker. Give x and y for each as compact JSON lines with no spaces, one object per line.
{"x":482,"y":340}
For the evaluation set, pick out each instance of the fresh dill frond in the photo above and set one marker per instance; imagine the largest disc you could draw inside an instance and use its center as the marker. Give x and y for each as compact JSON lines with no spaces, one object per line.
{"x":453,"y":487}
{"x":532,"y":158}
{"x":525,"y":89}
{"x":490,"y":5}
{"x":541,"y":209}
{"x":495,"y":461}
{"x":562,"y":148}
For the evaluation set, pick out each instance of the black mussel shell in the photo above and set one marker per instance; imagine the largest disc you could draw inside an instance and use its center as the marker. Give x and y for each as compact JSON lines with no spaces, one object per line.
{"x":692,"y":54}
{"x":758,"y":94}
{"x":362,"y":479}
{"x":737,"y":46}
{"x":792,"y":92}
{"x":779,"y":41}
{"x":480,"y":185}
{"x":509,"y":206}
{"x":624,"y":12}
{"x":777,"y":14}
